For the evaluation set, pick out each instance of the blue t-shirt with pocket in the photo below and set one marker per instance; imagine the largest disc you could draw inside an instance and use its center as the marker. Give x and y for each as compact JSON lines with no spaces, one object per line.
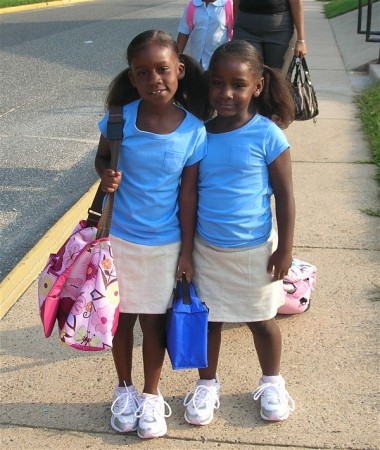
{"x":146,"y":202}
{"x":234,"y":208}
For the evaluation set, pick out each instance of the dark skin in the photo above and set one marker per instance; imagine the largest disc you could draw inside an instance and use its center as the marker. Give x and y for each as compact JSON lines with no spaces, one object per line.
{"x":155,"y":72}
{"x":233,"y":87}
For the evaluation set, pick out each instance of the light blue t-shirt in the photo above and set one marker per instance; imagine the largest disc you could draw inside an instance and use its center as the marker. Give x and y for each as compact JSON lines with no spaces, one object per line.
{"x":146,"y":202}
{"x":210,"y":30}
{"x":234,"y":188}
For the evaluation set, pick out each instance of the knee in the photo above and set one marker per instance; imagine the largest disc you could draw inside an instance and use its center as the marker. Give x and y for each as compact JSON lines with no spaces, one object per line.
{"x":126,"y":321}
{"x":215,"y":327}
{"x":264,"y":328}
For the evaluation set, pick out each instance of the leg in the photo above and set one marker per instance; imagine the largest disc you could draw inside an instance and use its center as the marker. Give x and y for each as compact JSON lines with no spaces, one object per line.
{"x":122,"y":348}
{"x":276,"y":403}
{"x":151,"y":411}
{"x":125,"y":401}
{"x":267,"y":340}
{"x":213,"y":347}
{"x":204,"y":398}
{"x":153,"y":329}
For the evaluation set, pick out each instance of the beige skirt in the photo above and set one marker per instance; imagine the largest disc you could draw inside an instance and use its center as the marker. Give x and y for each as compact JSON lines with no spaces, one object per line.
{"x":146,"y":275}
{"x":234,"y":283}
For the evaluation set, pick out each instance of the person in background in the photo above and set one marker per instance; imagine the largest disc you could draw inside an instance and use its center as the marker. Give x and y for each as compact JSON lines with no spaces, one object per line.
{"x":154,"y":214}
{"x":206,"y":24}
{"x":272,"y":27}
{"x":239,"y":258}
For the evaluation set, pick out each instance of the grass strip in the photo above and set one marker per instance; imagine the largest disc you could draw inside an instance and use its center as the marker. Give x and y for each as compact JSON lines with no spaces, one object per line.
{"x":10,"y":3}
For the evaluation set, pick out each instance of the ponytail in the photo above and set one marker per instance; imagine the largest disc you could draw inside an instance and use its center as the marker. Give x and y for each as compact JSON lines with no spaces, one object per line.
{"x":276,"y":101}
{"x":192,"y":92}
{"x":120,"y":91}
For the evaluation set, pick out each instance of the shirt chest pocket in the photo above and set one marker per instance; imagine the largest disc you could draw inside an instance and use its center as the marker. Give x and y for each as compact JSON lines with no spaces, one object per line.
{"x":240,"y":157}
{"x":173,"y":162}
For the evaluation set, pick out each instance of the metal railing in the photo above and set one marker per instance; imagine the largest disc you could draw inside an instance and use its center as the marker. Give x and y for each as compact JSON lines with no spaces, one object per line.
{"x":370,"y":34}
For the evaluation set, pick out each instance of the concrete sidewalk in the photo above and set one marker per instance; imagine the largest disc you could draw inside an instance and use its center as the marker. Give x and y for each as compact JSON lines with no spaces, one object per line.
{"x":58,"y":398}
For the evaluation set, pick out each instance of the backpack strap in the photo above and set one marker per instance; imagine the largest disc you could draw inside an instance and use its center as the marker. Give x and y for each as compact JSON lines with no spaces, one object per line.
{"x":190,"y":15}
{"x":97,"y":214}
{"x":228,"y":10}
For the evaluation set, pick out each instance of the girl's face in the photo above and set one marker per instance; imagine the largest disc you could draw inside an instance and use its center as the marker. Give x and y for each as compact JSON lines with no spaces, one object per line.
{"x":155,"y":71}
{"x":232,"y":86}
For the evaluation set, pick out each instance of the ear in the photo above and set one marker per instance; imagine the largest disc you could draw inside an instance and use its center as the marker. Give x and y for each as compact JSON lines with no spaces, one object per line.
{"x":181,"y":71}
{"x":259,"y":87}
{"x":131,"y":78}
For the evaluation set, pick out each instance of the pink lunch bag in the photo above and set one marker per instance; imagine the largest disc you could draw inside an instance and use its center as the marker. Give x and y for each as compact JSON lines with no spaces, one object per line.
{"x":298,"y":284}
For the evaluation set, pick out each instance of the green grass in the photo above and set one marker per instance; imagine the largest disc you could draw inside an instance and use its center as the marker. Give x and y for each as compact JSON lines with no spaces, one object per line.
{"x":333,"y":8}
{"x":368,"y":103}
{"x":8,"y":3}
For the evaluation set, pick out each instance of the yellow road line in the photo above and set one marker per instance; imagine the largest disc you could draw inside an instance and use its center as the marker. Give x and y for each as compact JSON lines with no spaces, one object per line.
{"x":19,"y":8}
{"x":28,"y":269}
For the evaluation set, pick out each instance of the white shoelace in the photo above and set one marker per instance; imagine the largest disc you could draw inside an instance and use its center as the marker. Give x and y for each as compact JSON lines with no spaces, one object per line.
{"x":148,"y":406}
{"x":201,"y":396}
{"x":129,"y":399}
{"x":273,"y":394}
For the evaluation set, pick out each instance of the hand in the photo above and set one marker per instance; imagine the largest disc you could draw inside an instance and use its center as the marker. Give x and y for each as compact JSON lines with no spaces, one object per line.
{"x":279,"y":264}
{"x":110,"y":180}
{"x":300,"y":49}
{"x":185,"y":266}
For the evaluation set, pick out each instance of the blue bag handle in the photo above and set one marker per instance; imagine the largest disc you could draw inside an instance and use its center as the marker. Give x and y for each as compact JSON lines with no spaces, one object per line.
{"x":183,"y":289}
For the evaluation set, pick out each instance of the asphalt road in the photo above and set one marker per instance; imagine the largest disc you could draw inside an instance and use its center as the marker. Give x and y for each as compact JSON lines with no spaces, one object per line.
{"x":56,"y":64}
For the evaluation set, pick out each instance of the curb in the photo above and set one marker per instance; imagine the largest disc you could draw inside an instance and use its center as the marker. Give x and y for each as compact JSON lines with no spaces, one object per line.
{"x":32,"y":6}
{"x":28,"y":269}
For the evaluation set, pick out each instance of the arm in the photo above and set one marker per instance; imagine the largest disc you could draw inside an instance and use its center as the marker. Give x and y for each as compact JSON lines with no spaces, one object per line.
{"x":110,"y":179}
{"x":182,"y":41}
{"x":236,"y":8}
{"x":296,"y":9}
{"x":280,"y":172}
{"x":188,"y":202}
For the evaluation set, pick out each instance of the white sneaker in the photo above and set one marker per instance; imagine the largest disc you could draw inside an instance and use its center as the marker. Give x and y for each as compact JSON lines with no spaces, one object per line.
{"x":151,"y":415}
{"x":124,"y":406}
{"x":201,"y":402}
{"x":276,"y":403}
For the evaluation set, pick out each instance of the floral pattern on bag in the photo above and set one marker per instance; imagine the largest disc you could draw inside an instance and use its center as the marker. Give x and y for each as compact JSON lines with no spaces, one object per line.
{"x":79,"y":288}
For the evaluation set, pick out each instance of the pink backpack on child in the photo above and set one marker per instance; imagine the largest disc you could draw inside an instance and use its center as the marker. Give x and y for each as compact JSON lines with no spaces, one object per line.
{"x":298,"y":284}
{"x":228,"y":8}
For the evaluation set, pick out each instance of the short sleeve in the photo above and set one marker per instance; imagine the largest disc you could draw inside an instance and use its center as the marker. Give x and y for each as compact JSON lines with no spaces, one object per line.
{"x":275,"y":143}
{"x":200,"y":148}
{"x":183,"y":27}
{"x":103,"y":125}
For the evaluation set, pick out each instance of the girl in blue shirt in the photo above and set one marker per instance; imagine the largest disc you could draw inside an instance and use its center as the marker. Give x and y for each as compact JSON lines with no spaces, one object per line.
{"x":239,"y":261}
{"x":154,"y":214}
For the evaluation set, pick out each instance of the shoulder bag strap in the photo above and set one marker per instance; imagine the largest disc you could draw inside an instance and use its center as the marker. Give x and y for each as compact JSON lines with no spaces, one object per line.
{"x":115,"y":127}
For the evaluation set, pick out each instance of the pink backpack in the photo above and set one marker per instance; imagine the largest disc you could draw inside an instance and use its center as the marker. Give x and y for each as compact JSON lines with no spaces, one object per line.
{"x":228,"y":8}
{"x":298,"y":284}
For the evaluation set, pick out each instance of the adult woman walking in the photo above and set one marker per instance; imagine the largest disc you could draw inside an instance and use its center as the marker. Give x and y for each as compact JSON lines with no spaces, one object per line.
{"x":270,"y":25}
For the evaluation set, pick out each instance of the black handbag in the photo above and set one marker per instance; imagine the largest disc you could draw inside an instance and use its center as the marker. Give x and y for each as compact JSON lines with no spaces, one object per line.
{"x":305,"y":98}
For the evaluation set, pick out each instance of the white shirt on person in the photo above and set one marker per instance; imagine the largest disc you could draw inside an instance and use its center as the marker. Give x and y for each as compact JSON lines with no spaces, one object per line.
{"x":209,"y":32}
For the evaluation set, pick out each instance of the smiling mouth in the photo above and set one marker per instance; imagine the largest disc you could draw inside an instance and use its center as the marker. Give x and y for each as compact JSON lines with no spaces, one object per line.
{"x":225,"y":105}
{"x":158,"y":91}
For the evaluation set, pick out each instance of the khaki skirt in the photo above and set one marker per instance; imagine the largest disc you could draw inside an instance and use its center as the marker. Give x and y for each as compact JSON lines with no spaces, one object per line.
{"x":234,"y":283}
{"x":146,"y":275}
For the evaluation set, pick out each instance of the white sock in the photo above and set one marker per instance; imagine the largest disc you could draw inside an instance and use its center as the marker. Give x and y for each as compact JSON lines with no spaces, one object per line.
{"x":274,"y":379}
{"x":207,"y":382}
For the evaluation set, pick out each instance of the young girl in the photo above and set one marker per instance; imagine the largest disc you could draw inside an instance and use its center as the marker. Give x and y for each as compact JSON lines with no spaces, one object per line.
{"x":154,"y":211}
{"x":206,"y":24}
{"x":238,"y":259}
